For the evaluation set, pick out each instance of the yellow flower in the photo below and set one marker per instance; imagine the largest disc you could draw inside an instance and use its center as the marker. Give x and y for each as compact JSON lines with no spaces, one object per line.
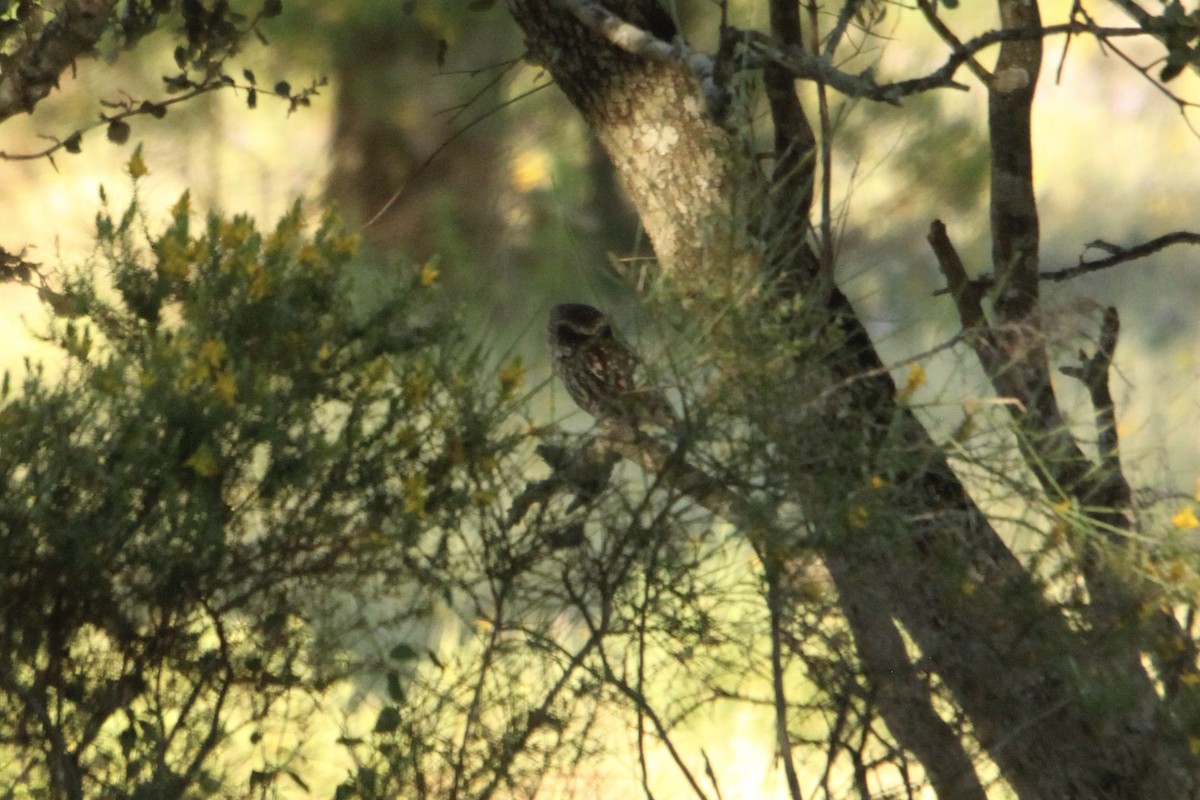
{"x":212,"y":353}
{"x":1186,"y":519}
{"x":182,"y":208}
{"x":858,"y":517}
{"x":260,"y":283}
{"x":511,"y":377}
{"x":415,"y":494}
{"x":136,"y":166}
{"x":429,"y":273}
{"x":916,"y":376}
{"x":204,"y":462}
{"x":225,"y":387}
{"x":234,"y":233}
{"x":530,"y":170}
{"x":173,"y":258}
{"x":916,"y":379}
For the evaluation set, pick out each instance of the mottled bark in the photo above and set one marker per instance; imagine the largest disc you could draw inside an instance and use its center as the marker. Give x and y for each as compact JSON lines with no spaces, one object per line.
{"x":672,"y":160}
{"x":1021,"y":673}
{"x":32,"y":72}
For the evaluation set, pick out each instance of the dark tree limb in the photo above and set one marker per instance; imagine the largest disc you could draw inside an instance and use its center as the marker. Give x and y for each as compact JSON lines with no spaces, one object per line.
{"x":791,"y":195}
{"x":792,"y":187}
{"x":1117,"y":255}
{"x":967,"y":294}
{"x":1093,"y":373}
{"x":811,"y":66}
{"x":1121,"y":255}
{"x":1014,"y":214}
{"x":904,"y":699}
{"x":1061,"y":466}
{"x":968,"y":299}
{"x":956,"y":45}
{"x":848,"y":11}
{"x":32,"y":72}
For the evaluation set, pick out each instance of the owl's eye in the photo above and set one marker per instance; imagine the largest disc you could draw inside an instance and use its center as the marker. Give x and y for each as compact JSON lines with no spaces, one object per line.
{"x":569,"y":335}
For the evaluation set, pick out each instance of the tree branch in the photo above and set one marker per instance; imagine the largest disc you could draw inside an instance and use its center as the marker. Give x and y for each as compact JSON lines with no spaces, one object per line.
{"x":904,"y":698}
{"x":956,"y":45}
{"x":1014,"y":216}
{"x":803,"y":65}
{"x":1093,"y":373}
{"x":792,"y":175}
{"x":967,"y":294}
{"x":32,"y":72}
{"x":1118,"y":255}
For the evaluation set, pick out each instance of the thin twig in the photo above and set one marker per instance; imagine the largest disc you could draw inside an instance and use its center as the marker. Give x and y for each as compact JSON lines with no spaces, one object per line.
{"x":391,"y":201}
{"x":779,"y":690}
{"x":1119,"y":255}
{"x":956,"y":45}
{"x":1093,"y":372}
{"x":826,"y":154}
{"x":849,"y":9}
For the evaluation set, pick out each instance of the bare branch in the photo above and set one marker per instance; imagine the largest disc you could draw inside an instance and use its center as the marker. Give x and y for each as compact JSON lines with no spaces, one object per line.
{"x":625,"y":35}
{"x":967,"y":294}
{"x":904,"y":696}
{"x":956,"y":45}
{"x":1093,"y":373}
{"x":849,"y":9}
{"x":1117,"y":255}
{"x":792,"y":184}
{"x":805,"y":65}
{"x":809,"y":67}
{"x":783,"y":740}
{"x":1120,"y":255}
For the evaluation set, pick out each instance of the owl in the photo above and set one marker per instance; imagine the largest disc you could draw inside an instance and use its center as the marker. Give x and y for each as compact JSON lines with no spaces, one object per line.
{"x":598,"y":370}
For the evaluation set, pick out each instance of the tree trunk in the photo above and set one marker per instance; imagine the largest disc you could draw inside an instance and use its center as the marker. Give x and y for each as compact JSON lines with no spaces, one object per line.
{"x":1058,"y":709}
{"x":386,"y":167}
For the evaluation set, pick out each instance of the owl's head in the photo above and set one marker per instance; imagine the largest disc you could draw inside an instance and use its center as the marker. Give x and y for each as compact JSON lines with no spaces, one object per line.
{"x":575,"y":323}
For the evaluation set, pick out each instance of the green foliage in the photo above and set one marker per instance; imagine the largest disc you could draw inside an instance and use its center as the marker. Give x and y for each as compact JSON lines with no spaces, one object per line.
{"x":235,"y":444}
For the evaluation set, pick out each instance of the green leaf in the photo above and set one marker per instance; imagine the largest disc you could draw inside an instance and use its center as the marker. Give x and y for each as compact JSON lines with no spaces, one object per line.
{"x":127,"y":739}
{"x":402,"y":652}
{"x":388,"y":720}
{"x":118,"y":131}
{"x":394,"y":688}
{"x":155,"y":110}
